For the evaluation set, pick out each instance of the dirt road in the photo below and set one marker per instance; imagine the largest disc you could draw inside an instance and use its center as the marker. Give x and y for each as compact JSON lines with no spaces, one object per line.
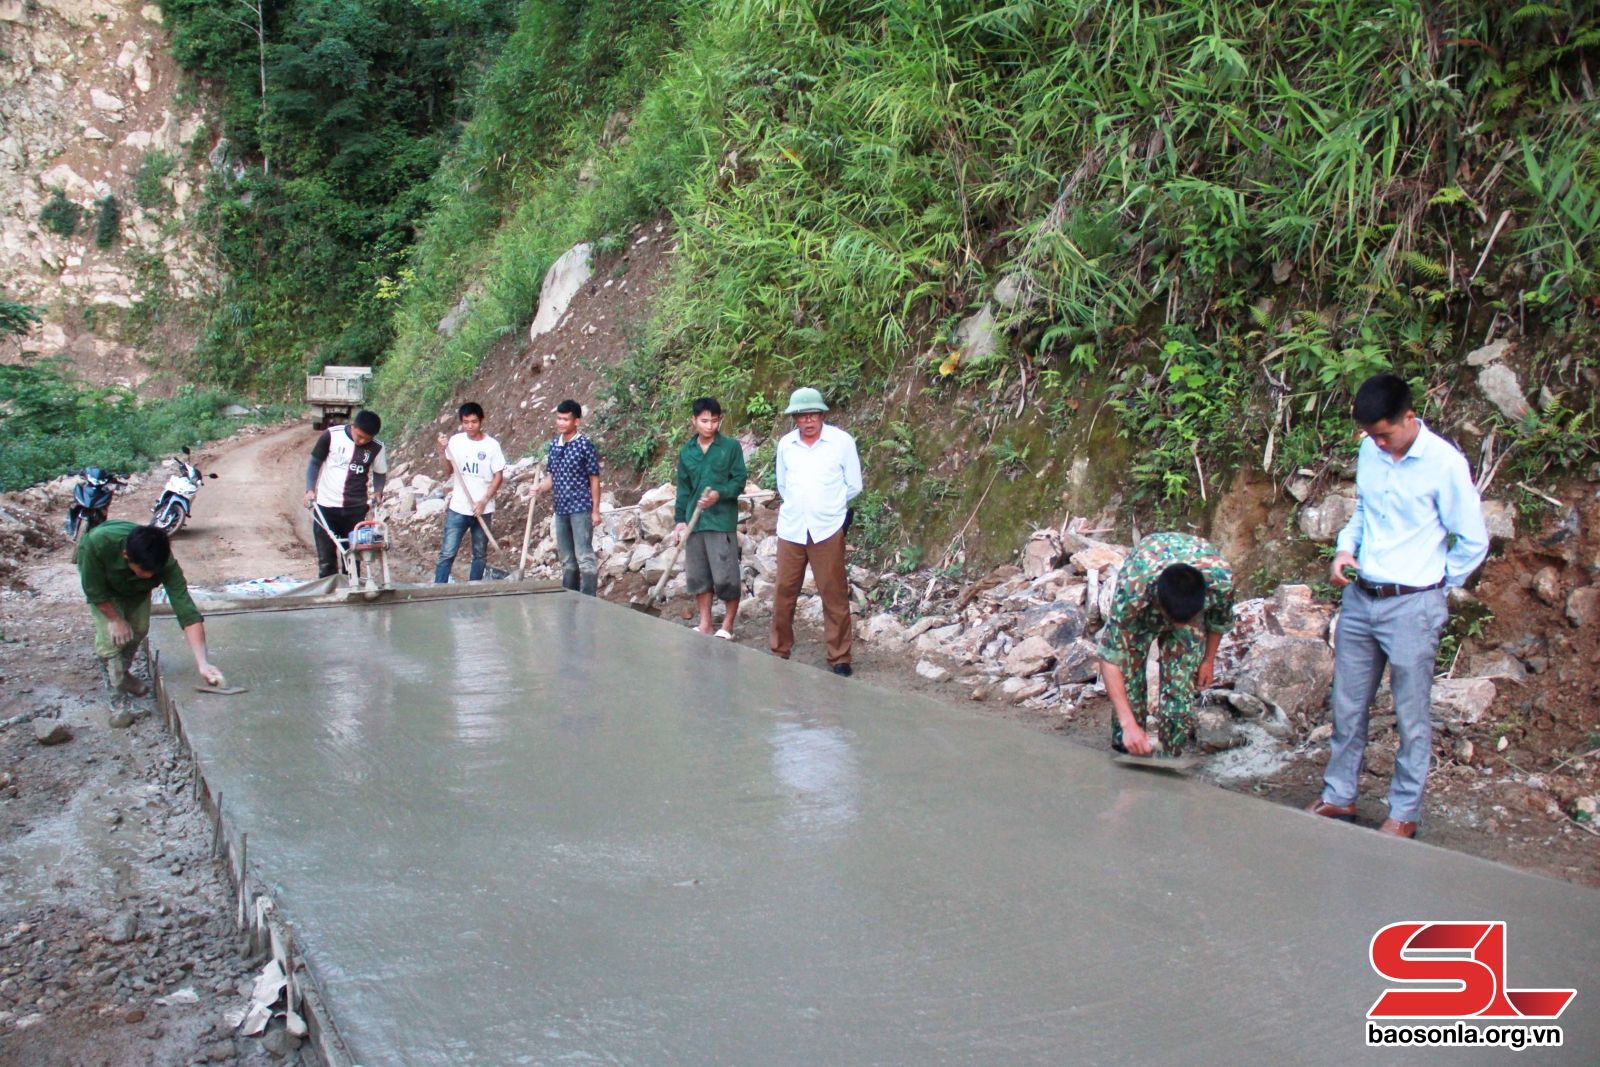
{"x":249,"y":521}
{"x":117,"y":941}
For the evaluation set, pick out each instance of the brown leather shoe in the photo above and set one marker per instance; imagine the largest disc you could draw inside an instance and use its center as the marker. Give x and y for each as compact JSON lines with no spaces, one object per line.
{"x":1396,"y":828}
{"x":1347,"y":812}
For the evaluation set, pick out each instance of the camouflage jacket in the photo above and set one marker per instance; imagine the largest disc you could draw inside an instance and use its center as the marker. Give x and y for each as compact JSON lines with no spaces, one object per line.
{"x":1134,"y":611}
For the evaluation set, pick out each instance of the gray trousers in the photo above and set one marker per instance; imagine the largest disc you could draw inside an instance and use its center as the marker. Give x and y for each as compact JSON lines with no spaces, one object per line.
{"x":1402,"y":632}
{"x":575,"y":546}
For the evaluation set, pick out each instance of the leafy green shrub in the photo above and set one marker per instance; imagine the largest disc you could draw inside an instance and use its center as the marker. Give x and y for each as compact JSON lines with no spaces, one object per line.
{"x":17,"y":318}
{"x":361,"y":100}
{"x":51,"y":424}
{"x":757,"y":406}
{"x":149,"y":189}
{"x":1237,"y":211}
{"x":107,"y":221}
{"x":1195,"y":400}
{"x":60,"y":216}
{"x":874,"y":523}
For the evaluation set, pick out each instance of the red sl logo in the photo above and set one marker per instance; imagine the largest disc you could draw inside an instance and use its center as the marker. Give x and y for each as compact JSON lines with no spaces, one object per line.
{"x":1471,"y":955}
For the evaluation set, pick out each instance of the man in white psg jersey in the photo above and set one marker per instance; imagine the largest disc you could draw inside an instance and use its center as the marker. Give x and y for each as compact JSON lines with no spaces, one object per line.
{"x":478,"y":460}
{"x":343,"y":461}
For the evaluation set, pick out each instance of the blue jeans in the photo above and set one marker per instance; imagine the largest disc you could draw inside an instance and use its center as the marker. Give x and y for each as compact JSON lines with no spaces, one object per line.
{"x":455,"y":524}
{"x":1403,"y":632}
{"x":575,"y":543}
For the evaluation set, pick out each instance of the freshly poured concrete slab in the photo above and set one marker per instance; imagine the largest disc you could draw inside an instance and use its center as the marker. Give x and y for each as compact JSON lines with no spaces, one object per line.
{"x":542,"y":829}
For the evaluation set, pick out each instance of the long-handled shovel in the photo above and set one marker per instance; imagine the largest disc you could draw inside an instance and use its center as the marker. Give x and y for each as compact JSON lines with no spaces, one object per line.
{"x":527,"y":534}
{"x":652,"y":606}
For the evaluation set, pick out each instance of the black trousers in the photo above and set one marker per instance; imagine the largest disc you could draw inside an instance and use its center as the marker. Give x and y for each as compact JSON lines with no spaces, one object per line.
{"x":341,"y":521}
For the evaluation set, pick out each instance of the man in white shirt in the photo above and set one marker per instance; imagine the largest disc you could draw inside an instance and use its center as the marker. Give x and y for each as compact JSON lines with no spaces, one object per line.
{"x":1417,"y":532}
{"x":819,"y":473}
{"x":474,"y":462}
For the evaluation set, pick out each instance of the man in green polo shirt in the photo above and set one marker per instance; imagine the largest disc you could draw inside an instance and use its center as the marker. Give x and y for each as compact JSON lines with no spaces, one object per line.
{"x":118,"y":564}
{"x":711,"y":471}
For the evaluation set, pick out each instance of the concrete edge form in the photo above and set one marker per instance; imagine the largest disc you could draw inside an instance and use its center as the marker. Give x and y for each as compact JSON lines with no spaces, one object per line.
{"x":395,"y":594}
{"x":255,"y":911}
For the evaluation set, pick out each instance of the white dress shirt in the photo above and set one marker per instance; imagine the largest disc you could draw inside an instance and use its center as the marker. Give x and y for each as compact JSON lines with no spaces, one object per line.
{"x":817,"y":483}
{"x":1407,"y":511}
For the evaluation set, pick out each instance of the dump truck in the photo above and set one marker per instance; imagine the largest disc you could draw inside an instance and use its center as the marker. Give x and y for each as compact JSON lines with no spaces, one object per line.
{"x":336,"y":394}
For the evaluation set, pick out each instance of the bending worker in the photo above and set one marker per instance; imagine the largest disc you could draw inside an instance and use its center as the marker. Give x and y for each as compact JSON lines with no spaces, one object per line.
{"x":1171,"y":587}
{"x":118,"y":565}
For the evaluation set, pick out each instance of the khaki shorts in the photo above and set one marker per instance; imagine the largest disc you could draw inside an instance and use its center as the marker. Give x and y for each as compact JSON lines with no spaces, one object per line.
{"x":712,"y":564}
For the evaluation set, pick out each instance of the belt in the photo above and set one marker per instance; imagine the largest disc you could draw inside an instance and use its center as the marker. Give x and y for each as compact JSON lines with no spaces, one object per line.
{"x":1388,"y":589}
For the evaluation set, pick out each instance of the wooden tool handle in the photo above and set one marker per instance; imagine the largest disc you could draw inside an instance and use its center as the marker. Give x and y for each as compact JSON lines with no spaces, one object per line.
{"x":673,"y":562}
{"x":527,"y":533}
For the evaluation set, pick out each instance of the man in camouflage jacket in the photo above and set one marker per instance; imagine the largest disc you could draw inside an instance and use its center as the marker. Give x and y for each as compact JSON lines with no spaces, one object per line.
{"x":1176,"y":590}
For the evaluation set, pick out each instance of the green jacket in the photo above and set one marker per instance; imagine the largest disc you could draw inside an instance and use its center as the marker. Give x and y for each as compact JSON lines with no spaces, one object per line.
{"x":105,"y":575}
{"x":720,"y":467}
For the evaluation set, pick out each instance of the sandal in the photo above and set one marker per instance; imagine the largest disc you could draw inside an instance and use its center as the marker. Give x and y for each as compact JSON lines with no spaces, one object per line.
{"x":724,"y":634}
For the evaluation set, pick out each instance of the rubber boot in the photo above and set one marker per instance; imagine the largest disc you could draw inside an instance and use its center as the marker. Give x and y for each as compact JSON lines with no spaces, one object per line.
{"x":116,"y":672}
{"x":131,"y":683}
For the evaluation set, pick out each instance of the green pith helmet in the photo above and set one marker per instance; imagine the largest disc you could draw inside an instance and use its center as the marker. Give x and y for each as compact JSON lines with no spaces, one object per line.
{"x":804,"y":400}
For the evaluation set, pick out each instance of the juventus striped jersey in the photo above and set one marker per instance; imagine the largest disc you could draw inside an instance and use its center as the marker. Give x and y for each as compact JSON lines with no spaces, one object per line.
{"x":342,"y":481}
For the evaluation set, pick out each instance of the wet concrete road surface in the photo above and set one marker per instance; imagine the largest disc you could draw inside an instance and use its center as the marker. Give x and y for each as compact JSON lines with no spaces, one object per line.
{"x":542,"y":829}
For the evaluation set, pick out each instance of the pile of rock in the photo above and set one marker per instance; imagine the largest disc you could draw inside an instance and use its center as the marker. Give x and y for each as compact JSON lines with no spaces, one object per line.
{"x":1021,"y":633}
{"x":1026,"y":635}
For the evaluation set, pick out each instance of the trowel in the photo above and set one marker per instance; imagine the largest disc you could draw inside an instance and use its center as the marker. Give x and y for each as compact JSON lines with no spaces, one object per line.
{"x":1170,"y":764}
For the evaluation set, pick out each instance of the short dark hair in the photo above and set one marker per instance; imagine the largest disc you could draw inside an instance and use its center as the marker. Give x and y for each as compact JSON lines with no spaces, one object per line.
{"x":1181,"y":592}
{"x":705,"y":404}
{"x":471,"y":407}
{"x":367,"y":422}
{"x":148,"y":549}
{"x":570,"y":407}
{"x":1381,"y":398}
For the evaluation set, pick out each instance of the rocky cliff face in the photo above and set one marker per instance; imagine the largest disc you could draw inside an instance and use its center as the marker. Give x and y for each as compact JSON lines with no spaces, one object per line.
{"x":90,"y":106}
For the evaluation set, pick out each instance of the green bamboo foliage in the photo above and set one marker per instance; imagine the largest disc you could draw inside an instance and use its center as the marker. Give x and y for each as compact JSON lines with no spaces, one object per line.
{"x":1284,"y":195}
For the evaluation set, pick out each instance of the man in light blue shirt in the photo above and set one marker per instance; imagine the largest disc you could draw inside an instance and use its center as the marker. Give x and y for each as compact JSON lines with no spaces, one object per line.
{"x":1417,"y":532}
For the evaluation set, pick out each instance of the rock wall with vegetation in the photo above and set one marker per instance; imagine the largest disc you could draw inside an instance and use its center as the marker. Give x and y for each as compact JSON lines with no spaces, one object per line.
{"x":102,"y":155}
{"x":105,"y":150}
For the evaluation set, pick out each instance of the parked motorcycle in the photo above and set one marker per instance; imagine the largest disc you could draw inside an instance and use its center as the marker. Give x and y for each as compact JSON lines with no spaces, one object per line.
{"x":91,"y":500}
{"x":177,"y":496}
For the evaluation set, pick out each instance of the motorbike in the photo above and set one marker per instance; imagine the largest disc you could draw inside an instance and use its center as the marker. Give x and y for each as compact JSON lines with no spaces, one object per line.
{"x":171,"y":511}
{"x":91,"y":500}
